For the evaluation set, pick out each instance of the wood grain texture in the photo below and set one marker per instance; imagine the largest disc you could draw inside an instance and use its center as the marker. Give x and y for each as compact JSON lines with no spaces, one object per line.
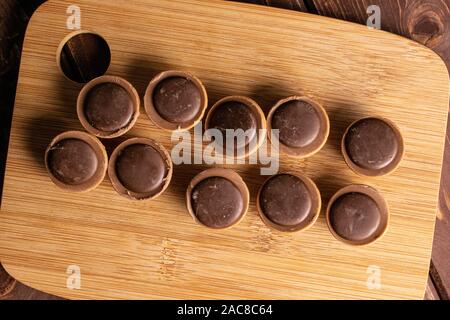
{"x":7,"y":283}
{"x":431,"y":292}
{"x":14,"y":16}
{"x":428,"y":22}
{"x":142,"y":250}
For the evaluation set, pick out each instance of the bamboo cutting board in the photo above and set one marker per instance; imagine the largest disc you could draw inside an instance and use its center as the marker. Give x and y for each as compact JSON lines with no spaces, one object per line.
{"x":153,"y":249}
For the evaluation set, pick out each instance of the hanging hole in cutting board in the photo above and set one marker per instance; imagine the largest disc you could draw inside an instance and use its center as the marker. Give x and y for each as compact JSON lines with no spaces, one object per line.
{"x":83,"y":56}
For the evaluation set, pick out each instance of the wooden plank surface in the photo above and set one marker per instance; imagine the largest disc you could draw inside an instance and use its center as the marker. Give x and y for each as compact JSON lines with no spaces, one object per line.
{"x":87,"y":235}
{"x":15,"y":13}
{"x":425,"y":21}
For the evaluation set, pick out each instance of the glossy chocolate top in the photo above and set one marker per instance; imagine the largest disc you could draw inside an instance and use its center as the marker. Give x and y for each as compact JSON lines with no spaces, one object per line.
{"x":217,"y":202}
{"x":141,"y":169}
{"x":298,"y":122}
{"x":108,"y":107}
{"x":355,"y":216}
{"x":234,"y":115}
{"x":177,"y":99}
{"x":372,"y":144}
{"x":285,"y":200}
{"x":72,"y":161}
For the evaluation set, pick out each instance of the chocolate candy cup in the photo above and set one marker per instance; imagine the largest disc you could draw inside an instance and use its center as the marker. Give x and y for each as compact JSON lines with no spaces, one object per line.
{"x":175,"y":100}
{"x":303,"y":126}
{"x":108,"y":106}
{"x":76,"y":161}
{"x":217,"y":198}
{"x":357,"y":215}
{"x":289,"y":202}
{"x":237,"y":112}
{"x":140,"y":169}
{"x":83,"y":55}
{"x":373,"y":147}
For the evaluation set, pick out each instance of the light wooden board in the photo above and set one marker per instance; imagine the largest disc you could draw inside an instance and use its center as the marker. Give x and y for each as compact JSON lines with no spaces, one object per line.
{"x":154,"y":249}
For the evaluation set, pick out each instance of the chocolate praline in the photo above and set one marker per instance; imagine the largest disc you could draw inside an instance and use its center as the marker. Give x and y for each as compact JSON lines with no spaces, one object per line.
{"x":140,"y":169}
{"x":243,"y":118}
{"x":285,"y":200}
{"x":76,"y":161}
{"x":289,"y":202}
{"x":217,"y":202}
{"x":357,"y":215}
{"x":234,"y":115}
{"x":72,"y":161}
{"x":217,"y":198}
{"x":108,"y":106}
{"x":372,"y":146}
{"x":175,"y":100}
{"x":299,"y":125}
{"x":298,"y":122}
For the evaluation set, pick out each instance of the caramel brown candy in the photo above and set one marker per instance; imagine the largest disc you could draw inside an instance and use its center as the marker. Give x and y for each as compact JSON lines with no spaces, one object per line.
{"x":300,"y":125}
{"x":175,"y":100}
{"x":241,"y":123}
{"x":108,"y":106}
{"x":76,"y":161}
{"x":217,"y":198}
{"x":357,"y":215}
{"x":373,"y":146}
{"x":289,"y":202}
{"x":140,"y":169}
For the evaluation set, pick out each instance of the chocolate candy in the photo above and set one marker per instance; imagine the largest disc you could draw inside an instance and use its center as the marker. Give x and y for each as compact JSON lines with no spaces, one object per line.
{"x":242,"y":115}
{"x":76,"y":161}
{"x":301,"y":126}
{"x":217,"y":198}
{"x":357,"y":215}
{"x":217,"y":202}
{"x":233,"y":115}
{"x":372,"y":146}
{"x":108,"y":106}
{"x":288,"y":202}
{"x":298,"y":122}
{"x":175,"y":100}
{"x":140,"y":169}
{"x":72,"y":161}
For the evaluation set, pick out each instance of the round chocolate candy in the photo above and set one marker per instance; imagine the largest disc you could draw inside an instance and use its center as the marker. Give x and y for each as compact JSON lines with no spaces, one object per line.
{"x":140,"y":169}
{"x":298,"y":122}
{"x":72,"y":161}
{"x":217,"y":202}
{"x":175,"y":100}
{"x":357,"y":215}
{"x":76,"y":161}
{"x":217,"y":198}
{"x":372,"y":146}
{"x":240,"y":121}
{"x":108,"y":107}
{"x":289,"y":202}
{"x":300,"y":126}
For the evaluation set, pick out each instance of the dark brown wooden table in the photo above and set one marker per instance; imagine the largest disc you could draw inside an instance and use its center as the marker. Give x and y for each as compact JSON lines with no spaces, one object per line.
{"x":425,"y":21}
